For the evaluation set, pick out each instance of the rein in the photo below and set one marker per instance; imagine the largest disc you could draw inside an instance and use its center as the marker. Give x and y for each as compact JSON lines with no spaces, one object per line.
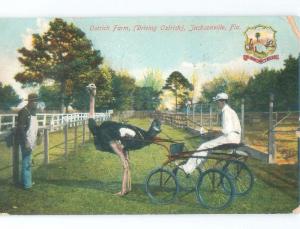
{"x":183,"y":139}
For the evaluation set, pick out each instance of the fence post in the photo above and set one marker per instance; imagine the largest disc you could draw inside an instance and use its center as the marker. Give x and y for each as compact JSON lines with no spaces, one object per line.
{"x":243,"y":121}
{"x":75,"y":136}
{"x":187,"y":115}
{"x":193,"y":118}
{"x":13,"y":121}
{"x":187,"y":122}
{"x":201,"y":117}
{"x":51,"y":122}
{"x":44,"y":120}
{"x":46,"y":146}
{"x":298,"y":136}
{"x":66,"y":139}
{"x":0,"y":122}
{"x":210,"y":115}
{"x":175,"y":119}
{"x":271,"y":142}
{"x":193,"y":112}
{"x":83,"y":131}
{"x":15,"y":160}
{"x":89,"y":135}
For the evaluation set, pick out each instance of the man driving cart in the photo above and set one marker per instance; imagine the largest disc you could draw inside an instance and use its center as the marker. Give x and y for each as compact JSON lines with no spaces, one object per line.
{"x":230,"y":133}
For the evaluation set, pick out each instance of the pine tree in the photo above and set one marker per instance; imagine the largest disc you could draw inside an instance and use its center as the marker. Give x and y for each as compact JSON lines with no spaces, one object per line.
{"x":61,"y":54}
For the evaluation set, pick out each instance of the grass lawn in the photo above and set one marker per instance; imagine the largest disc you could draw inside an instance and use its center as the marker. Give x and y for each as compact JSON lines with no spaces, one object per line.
{"x":85,"y":181}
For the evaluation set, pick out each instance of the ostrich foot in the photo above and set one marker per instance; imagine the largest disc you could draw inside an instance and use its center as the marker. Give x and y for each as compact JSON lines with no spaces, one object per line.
{"x":121,"y":193}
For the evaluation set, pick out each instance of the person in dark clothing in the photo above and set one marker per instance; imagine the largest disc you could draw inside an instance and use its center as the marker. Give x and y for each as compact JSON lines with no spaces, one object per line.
{"x":119,"y":138}
{"x":26,"y":136}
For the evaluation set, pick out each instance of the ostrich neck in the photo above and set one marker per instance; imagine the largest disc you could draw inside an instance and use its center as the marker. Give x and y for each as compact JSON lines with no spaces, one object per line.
{"x":92,"y":107}
{"x":151,"y":133}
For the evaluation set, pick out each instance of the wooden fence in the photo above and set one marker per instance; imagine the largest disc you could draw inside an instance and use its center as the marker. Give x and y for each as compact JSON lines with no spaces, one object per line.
{"x":52,"y":123}
{"x":47,"y":120}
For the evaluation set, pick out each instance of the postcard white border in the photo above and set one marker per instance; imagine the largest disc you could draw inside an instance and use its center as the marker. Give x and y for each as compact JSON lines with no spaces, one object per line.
{"x":99,"y":8}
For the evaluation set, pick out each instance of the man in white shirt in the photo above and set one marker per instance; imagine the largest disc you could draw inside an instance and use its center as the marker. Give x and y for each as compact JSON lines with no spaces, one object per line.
{"x":231,"y":133}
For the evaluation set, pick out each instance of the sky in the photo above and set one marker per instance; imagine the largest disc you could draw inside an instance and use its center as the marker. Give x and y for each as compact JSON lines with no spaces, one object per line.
{"x":159,"y":46}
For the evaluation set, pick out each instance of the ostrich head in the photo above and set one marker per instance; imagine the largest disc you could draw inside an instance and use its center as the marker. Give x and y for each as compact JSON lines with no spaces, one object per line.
{"x":91,"y":89}
{"x":154,"y":128}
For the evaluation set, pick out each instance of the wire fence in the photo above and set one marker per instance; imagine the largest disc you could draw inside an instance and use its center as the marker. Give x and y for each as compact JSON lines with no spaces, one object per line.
{"x":271,"y":133}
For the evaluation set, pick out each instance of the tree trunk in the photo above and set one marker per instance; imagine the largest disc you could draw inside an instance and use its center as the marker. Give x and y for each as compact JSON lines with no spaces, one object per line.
{"x":62,"y":93}
{"x":175,"y":101}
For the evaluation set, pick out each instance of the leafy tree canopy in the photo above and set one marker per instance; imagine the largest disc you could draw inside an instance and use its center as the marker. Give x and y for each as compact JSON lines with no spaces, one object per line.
{"x":256,"y":90}
{"x":123,"y":87}
{"x":62,"y":54}
{"x":146,"y":98}
{"x":179,"y":86}
{"x":152,"y":78}
{"x":8,"y":97}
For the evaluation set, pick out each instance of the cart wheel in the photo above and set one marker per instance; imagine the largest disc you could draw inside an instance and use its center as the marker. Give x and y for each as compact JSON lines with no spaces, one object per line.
{"x":240,"y":175}
{"x":161,"y":186}
{"x":210,"y":192}
{"x":187,"y":182}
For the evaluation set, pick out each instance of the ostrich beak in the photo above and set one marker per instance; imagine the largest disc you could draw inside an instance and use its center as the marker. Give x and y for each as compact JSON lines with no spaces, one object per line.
{"x":156,"y":128}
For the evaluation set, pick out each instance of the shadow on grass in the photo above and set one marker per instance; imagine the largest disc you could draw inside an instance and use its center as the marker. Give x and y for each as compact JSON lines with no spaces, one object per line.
{"x":281,"y":177}
{"x":110,"y":187}
{"x":137,"y":193}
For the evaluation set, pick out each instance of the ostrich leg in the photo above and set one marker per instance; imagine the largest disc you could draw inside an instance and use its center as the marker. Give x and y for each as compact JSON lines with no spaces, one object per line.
{"x":120,"y":152}
{"x":128,"y":174}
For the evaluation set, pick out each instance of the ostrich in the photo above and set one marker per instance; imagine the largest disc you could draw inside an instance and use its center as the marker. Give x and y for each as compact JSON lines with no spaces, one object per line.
{"x":119,"y":138}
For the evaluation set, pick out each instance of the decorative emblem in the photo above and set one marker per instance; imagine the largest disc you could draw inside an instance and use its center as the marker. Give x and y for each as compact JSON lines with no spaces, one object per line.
{"x":260,"y":44}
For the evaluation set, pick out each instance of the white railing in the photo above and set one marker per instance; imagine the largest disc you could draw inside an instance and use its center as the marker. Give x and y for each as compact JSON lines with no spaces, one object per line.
{"x":52,"y":121}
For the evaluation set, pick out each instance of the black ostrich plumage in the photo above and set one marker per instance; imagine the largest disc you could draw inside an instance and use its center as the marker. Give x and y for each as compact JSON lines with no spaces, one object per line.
{"x":110,"y":131}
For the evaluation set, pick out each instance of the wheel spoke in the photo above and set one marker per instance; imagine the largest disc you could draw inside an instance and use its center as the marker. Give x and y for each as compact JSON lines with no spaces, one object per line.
{"x":187,"y":182}
{"x":161,"y":186}
{"x":241,"y":176}
{"x":210,"y":191}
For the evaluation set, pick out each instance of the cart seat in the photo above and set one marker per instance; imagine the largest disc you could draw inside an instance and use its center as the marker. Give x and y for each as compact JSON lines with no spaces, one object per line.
{"x":176,"y":148}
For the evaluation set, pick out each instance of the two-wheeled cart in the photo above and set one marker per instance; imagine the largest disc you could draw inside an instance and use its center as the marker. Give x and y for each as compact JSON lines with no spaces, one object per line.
{"x":222,"y":177}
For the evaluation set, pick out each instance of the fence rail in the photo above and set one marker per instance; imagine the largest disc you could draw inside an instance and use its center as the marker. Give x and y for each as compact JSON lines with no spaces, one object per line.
{"x":47,"y":120}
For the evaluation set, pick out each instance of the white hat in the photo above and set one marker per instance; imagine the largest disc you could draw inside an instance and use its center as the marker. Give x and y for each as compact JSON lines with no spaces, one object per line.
{"x":220,"y":96}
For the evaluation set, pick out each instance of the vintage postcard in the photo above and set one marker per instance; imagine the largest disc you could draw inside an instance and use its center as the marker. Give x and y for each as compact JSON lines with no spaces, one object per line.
{"x":149,"y":115}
